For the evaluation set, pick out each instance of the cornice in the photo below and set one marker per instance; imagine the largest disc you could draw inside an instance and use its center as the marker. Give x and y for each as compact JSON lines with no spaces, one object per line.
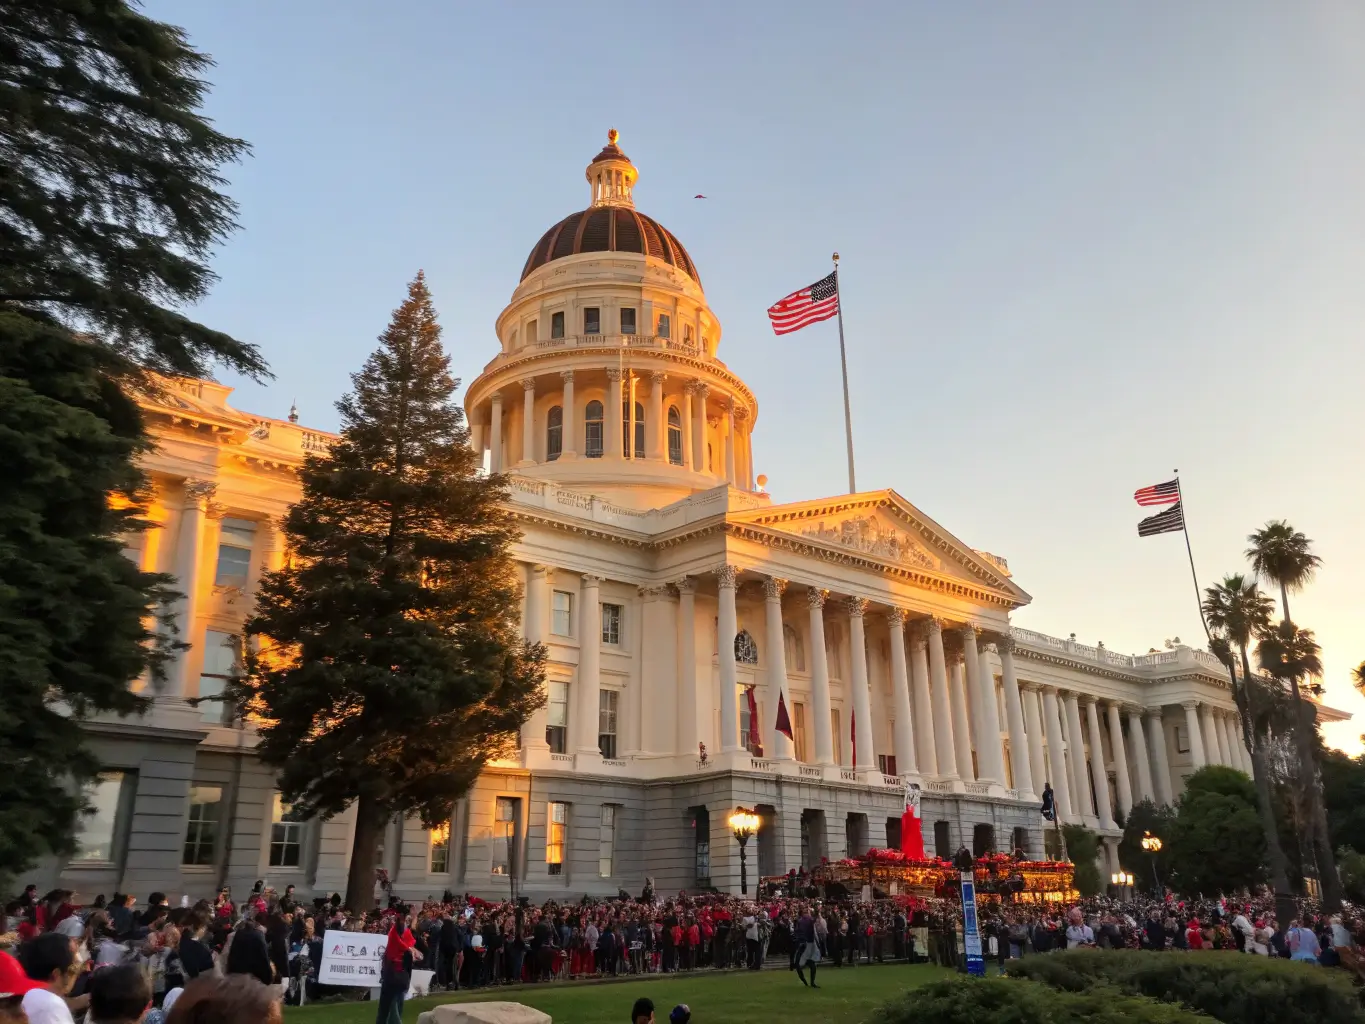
{"x":1104,"y":671}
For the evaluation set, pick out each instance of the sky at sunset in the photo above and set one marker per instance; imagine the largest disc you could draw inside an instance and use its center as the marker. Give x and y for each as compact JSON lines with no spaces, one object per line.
{"x":1081,"y":245}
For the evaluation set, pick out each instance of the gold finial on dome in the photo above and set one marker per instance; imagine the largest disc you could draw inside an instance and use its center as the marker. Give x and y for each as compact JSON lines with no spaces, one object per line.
{"x":612,"y":136}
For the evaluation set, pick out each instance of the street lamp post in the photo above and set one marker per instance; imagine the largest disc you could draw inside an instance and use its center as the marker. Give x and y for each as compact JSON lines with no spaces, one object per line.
{"x":743,"y":823}
{"x":1152,"y":844}
{"x":1123,"y":881}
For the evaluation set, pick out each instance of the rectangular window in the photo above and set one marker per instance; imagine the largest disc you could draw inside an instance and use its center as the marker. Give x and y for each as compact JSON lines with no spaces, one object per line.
{"x":556,"y":828}
{"x":838,"y":736}
{"x":235,"y":541}
{"x":556,"y":325}
{"x":887,"y":763}
{"x":611,"y":623}
{"x":606,"y":722}
{"x":592,"y":320}
{"x":557,"y":717}
{"x":286,"y":835}
{"x":1182,"y":740}
{"x":532,"y":332}
{"x":201,"y":834}
{"x":98,"y":831}
{"x":663,"y":325}
{"x":687,"y":333}
{"x":606,"y":844}
{"x":799,"y":731}
{"x":438,"y":861}
{"x":627,"y":320}
{"x":561,"y":618}
{"x":220,"y":660}
{"x":505,"y":821}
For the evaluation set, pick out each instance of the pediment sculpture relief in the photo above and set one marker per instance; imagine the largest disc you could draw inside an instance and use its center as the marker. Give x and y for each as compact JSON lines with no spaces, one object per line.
{"x":872,"y":537}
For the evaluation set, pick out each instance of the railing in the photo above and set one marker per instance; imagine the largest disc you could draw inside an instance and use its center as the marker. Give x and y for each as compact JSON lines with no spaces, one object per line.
{"x":978,"y":788}
{"x":938,"y":786}
{"x":891,"y":780}
{"x":759,"y":764}
{"x":848,"y":775}
{"x":810,"y":773}
{"x":562,"y":757}
{"x":611,"y":762}
{"x":313,"y":442}
{"x":705,"y":764}
{"x":625,"y":341}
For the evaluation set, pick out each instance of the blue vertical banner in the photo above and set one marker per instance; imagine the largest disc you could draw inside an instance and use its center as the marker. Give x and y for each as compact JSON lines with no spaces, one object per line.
{"x":971,"y":933}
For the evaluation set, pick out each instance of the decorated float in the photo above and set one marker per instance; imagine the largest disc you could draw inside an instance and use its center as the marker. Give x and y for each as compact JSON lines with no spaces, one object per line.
{"x":893,"y":873}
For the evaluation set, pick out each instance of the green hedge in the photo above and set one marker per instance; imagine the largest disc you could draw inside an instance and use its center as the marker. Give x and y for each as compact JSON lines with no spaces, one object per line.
{"x":1233,"y":987}
{"x":1005,"y":1001}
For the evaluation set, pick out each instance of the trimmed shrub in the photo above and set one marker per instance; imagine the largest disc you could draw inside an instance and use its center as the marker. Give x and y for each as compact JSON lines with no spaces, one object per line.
{"x":1005,"y":1001}
{"x":1233,"y":987}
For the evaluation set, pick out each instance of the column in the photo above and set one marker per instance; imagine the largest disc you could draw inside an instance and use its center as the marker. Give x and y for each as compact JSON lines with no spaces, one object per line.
{"x":1020,"y":762}
{"x":1033,"y":722}
{"x":1192,"y":727}
{"x":819,"y":679}
{"x":495,"y":459}
{"x":1083,"y":796}
{"x":658,"y":668}
{"x":746,"y":451}
{"x":611,"y":433}
{"x":1213,"y":753}
{"x":589,"y":680}
{"x":686,"y":410}
{"x":536,"y":630}
{"x":1056,"y":762}
{"x":903,"y":736}
{"x":1120,"y":761}
{"x":1099,"y":777}
{"x":476,"y":441}
{"x":1225,"y":740}
{"x":1144,"y":765}
{"x":962,"y":728}
{"x":569,"y":437}
{"x":942,"y":702}
{"x":863,"y":755}
{"x":730,"y":442}
{"x":528,"y":422}
{"x":629,"y":447}
{"x":1161,"y":761}
{"x":699,"y":427}
{"x":688,"y":733}
{"x":778,"y":694}
{"x":727,"y":628}
{"x":926,"y":747}
{"x":1232,"y":723}
{"x":982,"y":681}
{"x":655,"y":428}
{"x":188,"y":545}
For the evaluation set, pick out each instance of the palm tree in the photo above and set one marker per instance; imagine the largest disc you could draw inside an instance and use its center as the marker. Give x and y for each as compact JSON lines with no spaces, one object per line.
{"x":1235,"y":611}
{"x":1282,"y":556}
{"x":1358,"y":677}
{"x":1291,"y":655}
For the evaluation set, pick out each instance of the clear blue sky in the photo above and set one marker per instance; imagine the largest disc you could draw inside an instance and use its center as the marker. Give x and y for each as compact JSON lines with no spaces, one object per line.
{"x":1082,"y":245}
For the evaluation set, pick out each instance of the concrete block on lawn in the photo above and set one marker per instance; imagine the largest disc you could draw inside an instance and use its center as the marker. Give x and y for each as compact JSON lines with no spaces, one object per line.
{"x":484,"y":1013}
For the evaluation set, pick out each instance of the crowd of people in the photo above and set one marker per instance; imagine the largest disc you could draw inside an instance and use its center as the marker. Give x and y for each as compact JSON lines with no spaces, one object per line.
{"x":103,"y":958}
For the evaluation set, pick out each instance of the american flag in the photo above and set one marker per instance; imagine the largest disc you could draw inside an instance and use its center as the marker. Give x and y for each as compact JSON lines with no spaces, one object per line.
{"x":1158,"y":494}
{"x":1171,"y":520}
{"x":810,"y":305}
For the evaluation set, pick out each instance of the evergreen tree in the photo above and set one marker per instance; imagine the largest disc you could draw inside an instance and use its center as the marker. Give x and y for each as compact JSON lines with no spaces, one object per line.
{"x":1217,"y":844}
{"x":386,"y":666}
{"x":109,"y":204}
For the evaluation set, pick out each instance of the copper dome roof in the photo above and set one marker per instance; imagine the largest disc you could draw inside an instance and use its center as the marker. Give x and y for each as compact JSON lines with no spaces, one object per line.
{"x":610,"y":229}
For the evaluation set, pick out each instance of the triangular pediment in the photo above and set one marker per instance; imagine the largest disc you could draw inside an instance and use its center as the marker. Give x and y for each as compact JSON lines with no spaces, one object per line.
{"x":881,"y":526}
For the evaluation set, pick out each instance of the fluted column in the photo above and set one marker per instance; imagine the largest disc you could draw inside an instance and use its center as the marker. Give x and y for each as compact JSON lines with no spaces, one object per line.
{"x":1225,"y":740}
{"x":777,"y":664}
{"x":1146,"y":791}
{"x":687,"y":462}
{"x":1213,"y":753}
{"x":1014,"y":715}
{"x":819,"y":679}
{"x":926,"y":745}
{"x":1233,"y":723}
{"x":1083,"y":795}
{"x":1099,"y":777}
{"x":569,"y":432}
{"x":698,"y":390}
{"x":497,"y":461}
{"x":1197,"y":754}
{"x":962,"y":727}
{"x":528,"y":422}
{"x":1052,"y":726}
{"x":1161,"y":760}
{"x":589,"y":665}
{"x":903,"y":735}
{"x":188,"y":547}
{"x":863,"y":756}
{"x":989,"y":752}
{"x":1033,"y":722}
{"x":1121,"y":779}
{"x":942,"y":701}
{"x":654,"y":430}
{"x":730,"y":477}
{"x":537,"y":631}
{"x":689,"y":733}
{"x":612,"y":444}
{"x":727,"y":627}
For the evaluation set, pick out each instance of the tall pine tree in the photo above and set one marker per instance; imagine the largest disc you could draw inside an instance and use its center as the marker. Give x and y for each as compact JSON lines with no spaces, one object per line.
{"x":110,"y":202}
{"x":384,"y":664}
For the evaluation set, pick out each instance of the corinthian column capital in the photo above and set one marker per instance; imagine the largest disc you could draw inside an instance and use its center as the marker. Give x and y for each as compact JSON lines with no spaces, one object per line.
{"x":773,"y":587}
{"x":895,"y":617}
{"x":725,"y":577}
{"x":856,"y":606}
{"x":815,"y":597}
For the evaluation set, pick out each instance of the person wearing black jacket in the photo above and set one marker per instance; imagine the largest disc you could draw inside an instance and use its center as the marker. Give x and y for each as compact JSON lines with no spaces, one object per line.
{"x":195,"y":958}
{"x":277,"y":942}
{"x":249,"y":953}
{"x":1155,"y":933}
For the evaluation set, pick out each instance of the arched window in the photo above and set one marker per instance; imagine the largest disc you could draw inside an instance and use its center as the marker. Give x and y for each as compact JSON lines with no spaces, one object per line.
{"x":746,"y":651}
{"x":554,"y":433}
{"x":592,"y":430}
{"x":674,"y":435}
{"x":795,"y":649}
{"x":639,"y":430}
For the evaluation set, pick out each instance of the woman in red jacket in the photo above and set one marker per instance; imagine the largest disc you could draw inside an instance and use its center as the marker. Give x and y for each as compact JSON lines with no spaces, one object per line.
{"x":395,"y":976}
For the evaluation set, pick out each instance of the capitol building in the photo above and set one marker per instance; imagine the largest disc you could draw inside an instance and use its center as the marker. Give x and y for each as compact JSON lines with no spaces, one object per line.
{"x":679,"y":604}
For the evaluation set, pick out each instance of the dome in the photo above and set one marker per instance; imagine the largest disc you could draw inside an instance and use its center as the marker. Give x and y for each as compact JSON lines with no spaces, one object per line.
{"x":610,"y":229}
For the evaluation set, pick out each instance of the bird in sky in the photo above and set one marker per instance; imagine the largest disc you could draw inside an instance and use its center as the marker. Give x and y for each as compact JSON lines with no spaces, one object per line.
{"x":698,"y":196}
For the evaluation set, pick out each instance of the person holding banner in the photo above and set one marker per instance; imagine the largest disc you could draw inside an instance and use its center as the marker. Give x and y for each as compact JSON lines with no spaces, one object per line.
{"x":395,"y":977}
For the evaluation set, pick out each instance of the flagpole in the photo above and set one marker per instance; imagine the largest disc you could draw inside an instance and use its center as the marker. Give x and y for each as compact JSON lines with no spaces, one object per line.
{"x":843,"y":366}
{"x":1185,"y":529}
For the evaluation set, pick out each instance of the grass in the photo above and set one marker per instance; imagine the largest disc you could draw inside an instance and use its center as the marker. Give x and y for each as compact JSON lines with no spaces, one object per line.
{"x":739,"y":997}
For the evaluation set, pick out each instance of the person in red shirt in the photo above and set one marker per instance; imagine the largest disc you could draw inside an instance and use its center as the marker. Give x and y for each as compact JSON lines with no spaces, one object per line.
{"x":395,"y":976}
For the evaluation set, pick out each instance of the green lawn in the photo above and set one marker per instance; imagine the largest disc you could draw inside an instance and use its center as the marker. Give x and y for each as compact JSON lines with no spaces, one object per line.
{"x":741,"y":997}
